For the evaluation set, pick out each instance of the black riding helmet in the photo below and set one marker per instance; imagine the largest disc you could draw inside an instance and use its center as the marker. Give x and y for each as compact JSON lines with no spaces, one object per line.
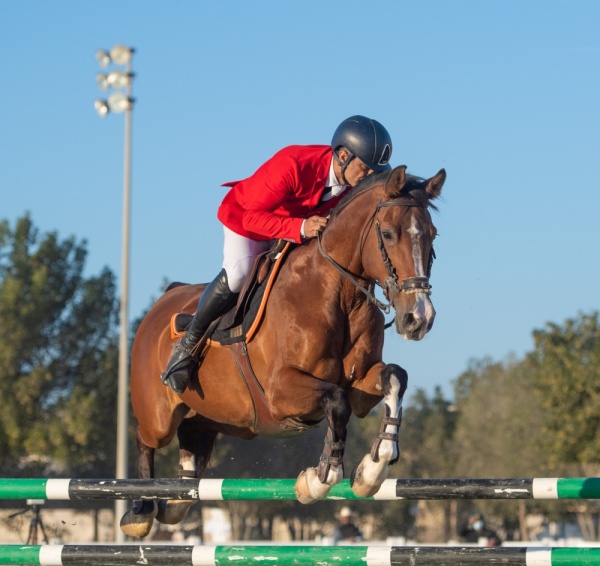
{"x":366,"y":139}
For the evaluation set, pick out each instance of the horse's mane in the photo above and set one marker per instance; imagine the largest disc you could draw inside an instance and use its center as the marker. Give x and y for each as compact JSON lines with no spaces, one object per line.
{"x":362,"y":186}
{"x":413,"y":188}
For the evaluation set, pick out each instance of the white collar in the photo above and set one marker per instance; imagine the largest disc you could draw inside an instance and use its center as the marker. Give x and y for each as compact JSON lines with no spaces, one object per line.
{"x":335,"y":187}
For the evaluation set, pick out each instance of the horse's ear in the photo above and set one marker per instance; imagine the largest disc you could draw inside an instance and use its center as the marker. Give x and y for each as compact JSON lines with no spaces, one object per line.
{"x":395,"y":182}
{"x":435,"y":184}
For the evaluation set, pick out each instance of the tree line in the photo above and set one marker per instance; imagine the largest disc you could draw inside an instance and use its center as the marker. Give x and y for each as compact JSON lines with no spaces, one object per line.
{"x":533,"y":417}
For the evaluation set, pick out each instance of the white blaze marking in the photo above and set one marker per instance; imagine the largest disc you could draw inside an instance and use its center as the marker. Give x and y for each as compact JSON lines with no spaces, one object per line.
{"x":423,"y":308}
{"x":415,"y":233}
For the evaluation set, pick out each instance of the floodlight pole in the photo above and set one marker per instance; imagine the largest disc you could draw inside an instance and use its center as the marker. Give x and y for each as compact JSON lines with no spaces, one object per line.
{"x":123,"y":391}
{"x":121,"y":55}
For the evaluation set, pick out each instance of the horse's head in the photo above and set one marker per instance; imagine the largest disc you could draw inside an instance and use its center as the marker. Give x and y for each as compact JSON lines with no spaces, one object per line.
{"x":398,"y":251}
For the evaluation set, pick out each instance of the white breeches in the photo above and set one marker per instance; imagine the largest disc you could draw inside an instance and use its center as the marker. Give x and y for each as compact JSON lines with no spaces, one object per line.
{"x":238,"y":254}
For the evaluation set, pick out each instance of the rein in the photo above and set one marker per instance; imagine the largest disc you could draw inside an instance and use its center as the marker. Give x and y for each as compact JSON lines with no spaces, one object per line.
{"x":391,"y":287}
{"x":367,"y":291}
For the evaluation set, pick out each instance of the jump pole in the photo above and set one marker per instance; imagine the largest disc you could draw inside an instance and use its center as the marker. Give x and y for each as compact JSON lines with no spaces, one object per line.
{"x":283,"y":489}
{"x":170,"y":555}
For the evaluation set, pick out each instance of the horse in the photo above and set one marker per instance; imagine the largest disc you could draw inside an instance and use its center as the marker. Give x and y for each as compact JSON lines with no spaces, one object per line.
{"x":317,"y":353}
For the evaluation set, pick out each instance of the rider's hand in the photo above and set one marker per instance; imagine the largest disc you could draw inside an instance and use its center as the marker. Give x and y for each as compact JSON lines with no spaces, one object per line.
{"x":313,"y":225}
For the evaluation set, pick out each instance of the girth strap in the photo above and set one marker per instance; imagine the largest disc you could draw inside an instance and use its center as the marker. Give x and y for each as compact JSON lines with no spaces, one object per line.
{"x":264,"y":423}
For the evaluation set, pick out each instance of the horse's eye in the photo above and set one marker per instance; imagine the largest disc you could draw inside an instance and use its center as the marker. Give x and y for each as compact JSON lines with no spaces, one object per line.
{"x":387,"y":235}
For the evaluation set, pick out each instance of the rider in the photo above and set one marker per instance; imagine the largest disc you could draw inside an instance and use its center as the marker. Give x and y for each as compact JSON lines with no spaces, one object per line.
{"x":288,"y":198}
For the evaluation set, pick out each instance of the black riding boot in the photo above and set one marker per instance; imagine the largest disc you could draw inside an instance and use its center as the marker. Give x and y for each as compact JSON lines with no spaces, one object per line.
{"x":216,"y":300}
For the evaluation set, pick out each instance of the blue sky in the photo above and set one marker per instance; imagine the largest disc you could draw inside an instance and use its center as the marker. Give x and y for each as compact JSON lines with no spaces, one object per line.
{"x":505,"y":95}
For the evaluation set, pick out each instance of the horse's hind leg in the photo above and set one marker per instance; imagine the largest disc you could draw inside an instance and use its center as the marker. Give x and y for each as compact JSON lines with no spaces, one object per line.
{"x":315,"y":483}
{"x":367,"y":477}
{"x":138,"y":521}
{"x":196,"y":443}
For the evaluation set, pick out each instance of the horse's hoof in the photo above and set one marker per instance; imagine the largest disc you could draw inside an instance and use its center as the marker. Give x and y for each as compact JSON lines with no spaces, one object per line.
{"x":301,"y":488}
{"x":138,"y":526}
{"x":361,"y":486}
{"x":308,"y":488}
{"x":173,"y":511}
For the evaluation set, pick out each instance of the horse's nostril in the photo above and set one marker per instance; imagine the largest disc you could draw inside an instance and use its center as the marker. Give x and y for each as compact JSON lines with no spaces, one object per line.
{"x":408,"y":320}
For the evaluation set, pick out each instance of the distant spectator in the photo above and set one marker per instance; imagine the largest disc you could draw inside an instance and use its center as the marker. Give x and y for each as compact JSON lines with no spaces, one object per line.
{"x":346,"y":530}
{"x":476,"y":531}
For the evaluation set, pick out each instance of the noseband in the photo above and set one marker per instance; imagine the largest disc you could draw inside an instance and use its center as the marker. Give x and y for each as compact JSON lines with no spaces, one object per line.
{"x":410,"y":285}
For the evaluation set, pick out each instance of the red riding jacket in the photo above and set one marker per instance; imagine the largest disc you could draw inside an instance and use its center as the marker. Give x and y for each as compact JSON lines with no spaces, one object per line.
{"x":285,"y":190}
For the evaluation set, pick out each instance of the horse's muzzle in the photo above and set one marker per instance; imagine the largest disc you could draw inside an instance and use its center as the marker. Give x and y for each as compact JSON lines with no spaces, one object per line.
{"x":414,"y":324}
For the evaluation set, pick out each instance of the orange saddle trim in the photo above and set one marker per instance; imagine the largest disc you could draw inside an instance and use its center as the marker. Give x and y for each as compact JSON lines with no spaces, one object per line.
{"x":177,"y":334}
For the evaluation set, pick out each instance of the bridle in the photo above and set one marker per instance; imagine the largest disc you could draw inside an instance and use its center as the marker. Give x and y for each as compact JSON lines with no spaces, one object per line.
{"x":410,"y":285}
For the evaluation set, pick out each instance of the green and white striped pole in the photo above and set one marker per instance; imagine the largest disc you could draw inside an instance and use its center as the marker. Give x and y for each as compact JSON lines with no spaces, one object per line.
{"x":283,"y":489}
{"x":171,"y":555}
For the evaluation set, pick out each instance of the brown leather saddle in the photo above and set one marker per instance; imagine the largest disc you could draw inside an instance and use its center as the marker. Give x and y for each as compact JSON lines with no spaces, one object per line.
{"x":237,"y":327}
{"x":241,"y":322}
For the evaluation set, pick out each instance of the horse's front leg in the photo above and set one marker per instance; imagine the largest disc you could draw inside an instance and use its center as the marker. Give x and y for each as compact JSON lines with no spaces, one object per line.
{"x":305,"y":396}
{"x":367,"y":477}
{"x":314,"y":484}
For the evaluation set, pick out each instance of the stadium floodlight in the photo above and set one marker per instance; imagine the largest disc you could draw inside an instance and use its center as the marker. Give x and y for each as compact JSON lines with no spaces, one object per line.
{"x":101,"y":107}
{"x":121,"y":55}
{"x":117,"y":102}
{"x":119,"y":79}
{"x":103,"y":58}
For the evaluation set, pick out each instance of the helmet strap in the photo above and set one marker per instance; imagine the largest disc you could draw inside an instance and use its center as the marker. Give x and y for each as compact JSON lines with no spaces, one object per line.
{"x":343,"y":164}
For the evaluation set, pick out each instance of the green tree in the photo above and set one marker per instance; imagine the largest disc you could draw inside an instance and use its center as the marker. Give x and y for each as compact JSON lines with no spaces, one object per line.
{"x":565,"y":367}
{"x":427,"y":433}
{"x":497,"y":434}
{"x":427,"y":451}
{"x":58,"y":356}
{"x":497,"y":404}
{"x":566,"y":371}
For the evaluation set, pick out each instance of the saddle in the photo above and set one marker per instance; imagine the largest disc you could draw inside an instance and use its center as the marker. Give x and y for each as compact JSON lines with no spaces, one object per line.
{"x":241,"y":322}
{"x":237,"y":327}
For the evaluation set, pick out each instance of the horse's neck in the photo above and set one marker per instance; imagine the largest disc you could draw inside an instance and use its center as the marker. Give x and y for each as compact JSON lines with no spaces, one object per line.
{"x":343,"y":237}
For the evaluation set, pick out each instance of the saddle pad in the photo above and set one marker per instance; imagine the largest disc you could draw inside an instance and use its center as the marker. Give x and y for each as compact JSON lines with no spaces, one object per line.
{"x":179,"y":323}
{"x":247,"y":321}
